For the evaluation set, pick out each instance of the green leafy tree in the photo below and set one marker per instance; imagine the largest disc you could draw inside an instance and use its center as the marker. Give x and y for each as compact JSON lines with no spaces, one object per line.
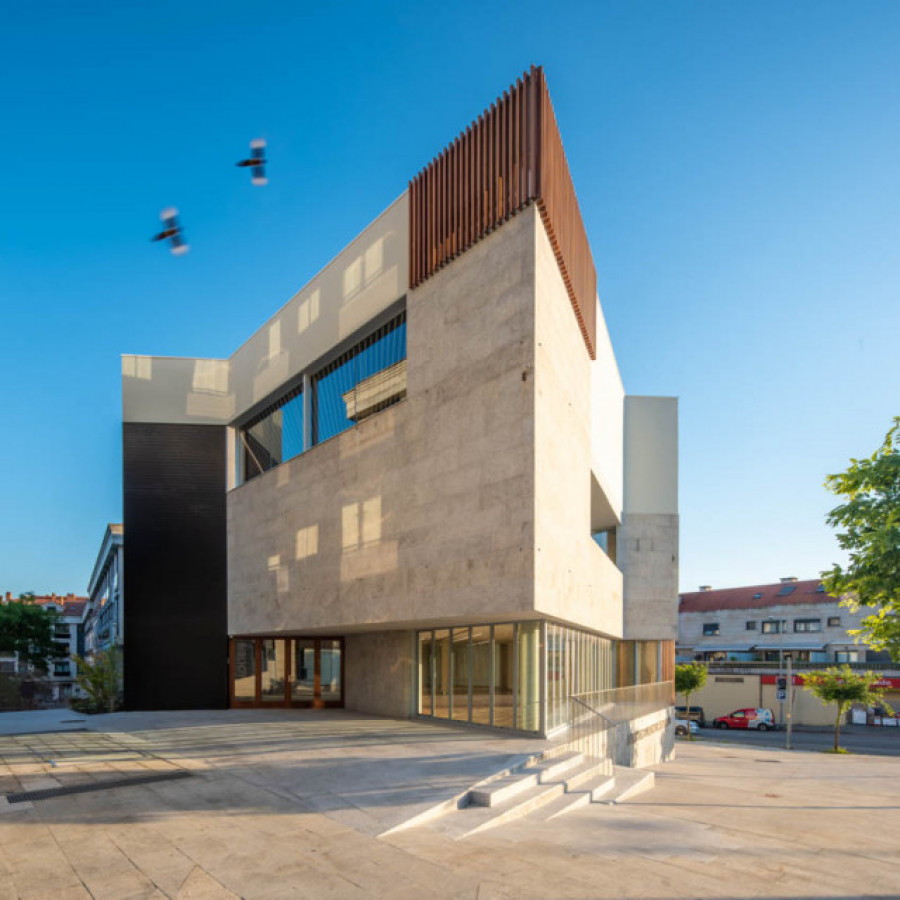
{"x":869,"y":523}
{"x":27,"y":629}
{"x":842,"y":686}
{"x":689,"y":678}
{"x":99,"y":679}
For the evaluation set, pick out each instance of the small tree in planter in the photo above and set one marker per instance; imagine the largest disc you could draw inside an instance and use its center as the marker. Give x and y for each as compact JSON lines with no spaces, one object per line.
{"x":842,"y":686}
{"x":99,"y":679}
{"x":689,"y":678}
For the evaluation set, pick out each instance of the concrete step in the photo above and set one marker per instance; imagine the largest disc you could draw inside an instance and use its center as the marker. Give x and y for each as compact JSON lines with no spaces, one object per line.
{"x":475,"y":819}
{"x":557,"y":767}
{"x":592,"y":790}
{"x":543,"y":771}
{"x":629,"y":783}
{"x":504,"y":789}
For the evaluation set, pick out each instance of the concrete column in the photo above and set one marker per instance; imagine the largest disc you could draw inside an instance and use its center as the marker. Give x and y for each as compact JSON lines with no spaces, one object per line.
{"x":307,"y":412}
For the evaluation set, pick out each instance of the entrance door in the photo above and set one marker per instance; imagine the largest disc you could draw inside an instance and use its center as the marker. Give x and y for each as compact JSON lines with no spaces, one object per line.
{"x":301,"y":672}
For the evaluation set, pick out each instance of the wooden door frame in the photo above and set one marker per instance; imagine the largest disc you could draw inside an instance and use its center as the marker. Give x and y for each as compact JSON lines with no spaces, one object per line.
{"x":287,"y":702}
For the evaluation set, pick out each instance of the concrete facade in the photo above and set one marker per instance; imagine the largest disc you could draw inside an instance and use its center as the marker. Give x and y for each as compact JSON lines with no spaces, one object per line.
{"x":484,"y":499}
{"x":647,"y":544}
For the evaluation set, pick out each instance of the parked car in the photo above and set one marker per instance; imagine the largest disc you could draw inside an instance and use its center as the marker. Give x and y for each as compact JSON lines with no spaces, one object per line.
{"x":695,"y":715}
{"x":760,"y":719}
{"x":682,"y":725}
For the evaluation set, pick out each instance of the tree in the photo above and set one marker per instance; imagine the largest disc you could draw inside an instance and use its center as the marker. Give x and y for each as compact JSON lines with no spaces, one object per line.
{"x":870,"y":523}
{"x":689,"y":677}
{"x":842,"y":686}
{"x":27,"y":629}
{"x":99,"y":679}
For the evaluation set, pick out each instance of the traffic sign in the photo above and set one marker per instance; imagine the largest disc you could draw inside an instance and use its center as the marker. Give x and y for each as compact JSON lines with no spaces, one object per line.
{"x":781,"y":694}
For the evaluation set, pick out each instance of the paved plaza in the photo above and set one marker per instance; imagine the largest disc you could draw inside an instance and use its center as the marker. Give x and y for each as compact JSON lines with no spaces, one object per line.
{"x":297,"y":804}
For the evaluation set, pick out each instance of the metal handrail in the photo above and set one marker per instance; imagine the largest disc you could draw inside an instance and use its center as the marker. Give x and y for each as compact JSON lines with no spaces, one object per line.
{"x":594,"y":726}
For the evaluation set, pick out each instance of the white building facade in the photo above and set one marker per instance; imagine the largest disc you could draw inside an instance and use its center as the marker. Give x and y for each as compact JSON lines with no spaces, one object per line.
{"x":104,"y":625}
{"x":760,"y":623}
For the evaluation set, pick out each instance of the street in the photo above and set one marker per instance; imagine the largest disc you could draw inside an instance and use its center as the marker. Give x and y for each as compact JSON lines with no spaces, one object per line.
{"x":855,"y":738}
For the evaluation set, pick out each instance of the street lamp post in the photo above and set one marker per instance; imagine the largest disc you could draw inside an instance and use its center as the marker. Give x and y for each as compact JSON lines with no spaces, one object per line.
{"x":781,"y":623}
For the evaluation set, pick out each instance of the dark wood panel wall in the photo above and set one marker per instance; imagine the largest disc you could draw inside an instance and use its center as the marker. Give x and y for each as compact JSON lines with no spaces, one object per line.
{"x":512,"y":155}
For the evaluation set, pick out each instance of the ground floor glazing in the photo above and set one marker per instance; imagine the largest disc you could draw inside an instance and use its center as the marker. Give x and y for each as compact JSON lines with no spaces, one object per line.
{"x":515,"y":675}
{"x":277,"y":671}
{"x":521,"y":675}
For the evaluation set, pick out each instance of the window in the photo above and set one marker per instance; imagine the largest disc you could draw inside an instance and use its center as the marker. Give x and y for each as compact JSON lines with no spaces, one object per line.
{"x":366,"y":379}
{"x":750,"y":626}
{"x":274,"y":436}
{"x":846,"y":656}
{"x":807,"y":625}
{"x":710,"y":629}
{"x":786,"y":589}
{"x":363,"y":380}
{"x":771,"y":626}
{"x":834,"y":621}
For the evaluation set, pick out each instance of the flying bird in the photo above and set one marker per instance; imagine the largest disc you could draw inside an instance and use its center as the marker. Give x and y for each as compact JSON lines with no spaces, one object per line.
{"x":172,"y":231}
{"x":257,"y":161}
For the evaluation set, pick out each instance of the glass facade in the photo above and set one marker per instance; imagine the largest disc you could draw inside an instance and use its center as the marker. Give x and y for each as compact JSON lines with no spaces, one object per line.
{"x":345,"y":391}
{"x":577,"y":663}
{"x":278,"y":671}
{"x":363,"y":380}
{"x":499,"y":675}
{"x":244,"y":670}
{"x":274,"y":436}
{"x":483,"y":674}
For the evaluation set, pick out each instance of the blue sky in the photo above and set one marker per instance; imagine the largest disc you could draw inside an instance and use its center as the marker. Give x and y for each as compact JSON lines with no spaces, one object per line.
{"x":736,"y":164}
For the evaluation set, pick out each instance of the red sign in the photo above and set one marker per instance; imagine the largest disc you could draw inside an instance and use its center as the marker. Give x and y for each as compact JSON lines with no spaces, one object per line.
{"x":772,"y":679}
{"x":892,"y":684}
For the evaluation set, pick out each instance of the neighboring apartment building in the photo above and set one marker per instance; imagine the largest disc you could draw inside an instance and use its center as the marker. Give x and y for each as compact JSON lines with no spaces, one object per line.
{"x":104,"y":626}
{"x":760,"y":622}
{"x":68,"y":640}
{"x":419,"y":488}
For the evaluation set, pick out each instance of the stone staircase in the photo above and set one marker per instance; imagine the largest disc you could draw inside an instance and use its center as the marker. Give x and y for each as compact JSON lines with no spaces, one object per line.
{"x":543,"y":788}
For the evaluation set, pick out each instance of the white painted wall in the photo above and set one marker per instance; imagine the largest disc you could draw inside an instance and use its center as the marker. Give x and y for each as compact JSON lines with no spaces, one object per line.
{"x":651,"y":454}
{"x":607,"y":420}
{"x":647,"y":542}
{"x":575,"y":581}
{"x":364,"y":279}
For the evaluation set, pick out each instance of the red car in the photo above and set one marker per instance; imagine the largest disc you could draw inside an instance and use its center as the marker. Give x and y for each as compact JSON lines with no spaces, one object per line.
{"x":760,"y":719}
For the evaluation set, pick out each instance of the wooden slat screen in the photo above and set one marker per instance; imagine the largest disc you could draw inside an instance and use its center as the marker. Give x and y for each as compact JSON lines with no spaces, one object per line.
{"x":512,"y":155}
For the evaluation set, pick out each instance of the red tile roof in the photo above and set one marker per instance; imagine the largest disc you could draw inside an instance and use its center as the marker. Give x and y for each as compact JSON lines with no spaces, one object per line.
{"x":70,"y":604}
{"x":745,"y":597}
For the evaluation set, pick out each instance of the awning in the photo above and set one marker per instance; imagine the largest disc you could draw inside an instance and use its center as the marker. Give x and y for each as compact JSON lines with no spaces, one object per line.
{"x":790,"y":645}
{"x":723,"y":648}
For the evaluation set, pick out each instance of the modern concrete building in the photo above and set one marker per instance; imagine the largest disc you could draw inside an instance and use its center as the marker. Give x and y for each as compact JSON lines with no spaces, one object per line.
{"x":104,"y":626}
{"x":419,"y":488}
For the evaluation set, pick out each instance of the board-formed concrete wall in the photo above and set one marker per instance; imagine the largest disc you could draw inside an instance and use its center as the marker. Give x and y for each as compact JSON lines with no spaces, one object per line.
{"x":423,"y":512}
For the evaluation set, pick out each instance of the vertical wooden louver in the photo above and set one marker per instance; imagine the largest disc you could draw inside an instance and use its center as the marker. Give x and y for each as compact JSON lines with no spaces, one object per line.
{"x":510,"y":156}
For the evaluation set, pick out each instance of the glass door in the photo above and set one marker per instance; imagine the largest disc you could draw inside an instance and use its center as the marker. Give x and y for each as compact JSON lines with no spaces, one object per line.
{"x":273,"y":670}
{"x":303,"y":686}
{"x":303,"y":672}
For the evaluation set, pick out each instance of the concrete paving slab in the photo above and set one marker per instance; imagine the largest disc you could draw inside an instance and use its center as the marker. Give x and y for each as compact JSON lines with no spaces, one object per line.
{"x":270,"y":813}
